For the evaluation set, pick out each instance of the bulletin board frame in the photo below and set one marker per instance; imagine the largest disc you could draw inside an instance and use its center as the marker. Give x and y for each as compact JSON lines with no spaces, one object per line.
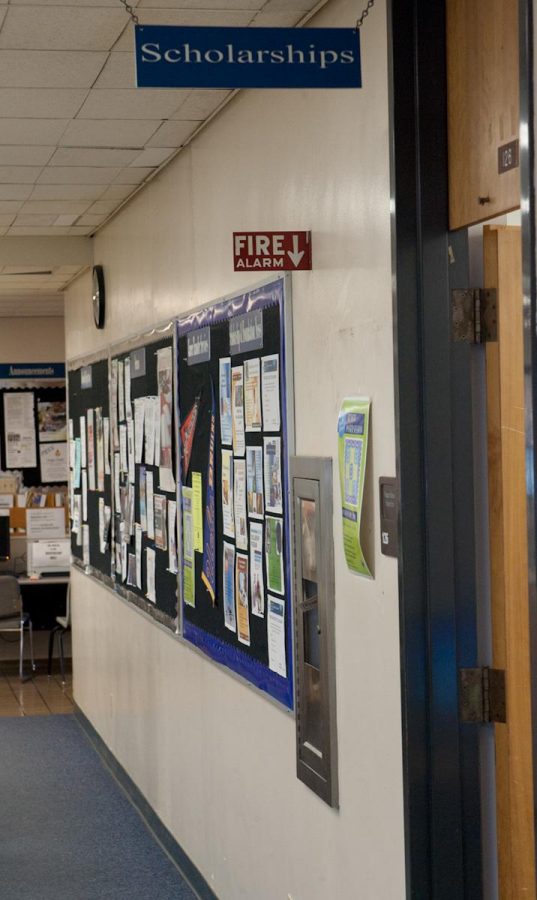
{"x":74,"y":365}
{"x":272,"y":292}
{"x":143,"y":340}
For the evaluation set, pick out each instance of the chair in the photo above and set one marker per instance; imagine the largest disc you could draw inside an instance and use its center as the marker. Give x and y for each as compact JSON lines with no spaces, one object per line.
{"x":64,"y":623}
{"x":13,"y":617}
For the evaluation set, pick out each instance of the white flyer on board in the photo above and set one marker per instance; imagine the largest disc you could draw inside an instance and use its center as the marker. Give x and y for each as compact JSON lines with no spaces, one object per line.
{"x":19,"y":430}
{"x":239,"y":497}
{"x":276,"y":635}
{"x":150,"y":574}
{"x":150,"y":511}
{"x":270,"y":389}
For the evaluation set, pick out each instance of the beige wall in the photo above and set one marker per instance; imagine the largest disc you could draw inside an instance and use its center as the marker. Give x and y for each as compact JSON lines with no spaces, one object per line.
{"x":214,"y":758}
{"x":27,"y":339}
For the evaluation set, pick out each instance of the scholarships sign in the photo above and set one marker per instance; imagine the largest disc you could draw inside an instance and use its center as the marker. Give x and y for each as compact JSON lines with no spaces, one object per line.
{"x":199,"y":57}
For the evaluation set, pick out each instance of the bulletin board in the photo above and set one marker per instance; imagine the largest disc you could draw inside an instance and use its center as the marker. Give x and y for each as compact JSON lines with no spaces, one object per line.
{"x":236,"y":434}
{"x":90,"y":469}
{"x":143,"y":441}
{"x":41,"y":416}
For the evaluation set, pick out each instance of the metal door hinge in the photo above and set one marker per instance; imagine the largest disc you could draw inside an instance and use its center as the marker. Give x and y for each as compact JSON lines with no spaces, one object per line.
{"x":482,"y":695}
{"x":474,"y":316}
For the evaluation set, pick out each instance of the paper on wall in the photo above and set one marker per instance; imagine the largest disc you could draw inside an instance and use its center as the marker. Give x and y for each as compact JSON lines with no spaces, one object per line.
{"x":276,"y":635}
{"x":226,"y":423}
{"x":165,"y":417}
{"x":257,"y":583}
{"x":149,"y":505}
{"x":130,"y":450}
{"x":99,"y":435}
{"x":113,"y":405}
{"x":19,"y":430}
{"x":142,"y":494}
{"x":117,"y":497}
{"x":106,"y":433}
{"x":53,"y":463}
{"x":189,"y":596}
{"x":83,"y":453}
{"x":161,"y":540}
{"x":274,"y":554}
{"x":150,"y":573}
{"x":90,"y":449}
{"x":138,"y":553}
{"x":252,"y":395}
{"x":86,"y":545}
{"x":172,"y":536}
{"x":239,"y":498}
{"x":197,"y":512}
{"x":127,"y":374}
{"x":139,"y":411}
{"x":237,"y":409}
{"x":241,"y":598}
{"x":121,"y":391}
{"x":230,"y":618}
{"x":273,"y":474}
{"x":270,"y":390}
{"x":123,"y":451}
{"x":228,"y":517}
{"x":149,"y":417}
{"x":254,"y":482}
{"x":84,"y":495}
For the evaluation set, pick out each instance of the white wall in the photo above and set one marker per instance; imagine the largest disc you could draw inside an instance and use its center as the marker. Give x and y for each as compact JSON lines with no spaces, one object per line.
{"x":28,"y":339}
{"x":214,"y":758}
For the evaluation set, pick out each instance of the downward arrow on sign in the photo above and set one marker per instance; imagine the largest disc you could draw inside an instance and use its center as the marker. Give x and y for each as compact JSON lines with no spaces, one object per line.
{"x":295,"y":256}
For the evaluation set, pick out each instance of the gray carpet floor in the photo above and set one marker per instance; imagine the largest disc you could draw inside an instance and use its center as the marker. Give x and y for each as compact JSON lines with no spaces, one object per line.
{"x":67,"y":831}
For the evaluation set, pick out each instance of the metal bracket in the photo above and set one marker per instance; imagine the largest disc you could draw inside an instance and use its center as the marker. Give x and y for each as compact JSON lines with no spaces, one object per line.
{"x":482,"y":695}
{"x":474,"y":316}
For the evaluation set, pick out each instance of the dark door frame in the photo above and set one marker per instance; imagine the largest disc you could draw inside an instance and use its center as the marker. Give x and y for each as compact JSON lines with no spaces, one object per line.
{"x":435,"y":457}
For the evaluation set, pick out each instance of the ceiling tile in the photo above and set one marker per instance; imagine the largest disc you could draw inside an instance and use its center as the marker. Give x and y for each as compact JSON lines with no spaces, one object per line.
{"x":6,"y":219}
{"x":119,"y":71}
{"x":200,"y":104}
{"x":65,"y":191}
{"x":172,"y":134}
{"x":25,"y":156}
{"x":133,"y":176}
{"x":102,"y":208}
{"x":76,"y":175}
{"x":65,"y":220}
{"x":68,"y":271}
{"x":278,"y":19}
{"x":31,"y":132}
{"x":117,"y":192}
{"x":107,"y":133}
{"x":61,"y":28}
{"x":194,"y":4}
{"x":41,"y":103}
{"x":52,"y":68}
{"x":10,"y":206}
{"x":152,"y":157}
{"x":132,"y":104}
{"x":56,"y":206}
{"x":26,"y":219}
{"x":15,"y":191}
{"x":19,"y":174}
{"x":187,"y":17}
{"x":67,"y":156}
{"x":275,"y":6}
{"x":91,"y":220}
{"x":57,"y":2}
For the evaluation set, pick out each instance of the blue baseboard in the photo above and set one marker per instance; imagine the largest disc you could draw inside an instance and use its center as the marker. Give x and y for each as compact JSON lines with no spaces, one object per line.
{"x":185,"y":865}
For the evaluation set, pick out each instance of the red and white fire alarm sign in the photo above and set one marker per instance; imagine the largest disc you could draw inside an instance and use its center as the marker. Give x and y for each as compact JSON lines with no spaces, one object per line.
{"x":272,"y":250}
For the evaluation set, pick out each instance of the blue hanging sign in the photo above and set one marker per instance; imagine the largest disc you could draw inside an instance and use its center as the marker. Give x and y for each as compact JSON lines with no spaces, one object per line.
{"x":196,"y":57}
{"x":32,"y":370}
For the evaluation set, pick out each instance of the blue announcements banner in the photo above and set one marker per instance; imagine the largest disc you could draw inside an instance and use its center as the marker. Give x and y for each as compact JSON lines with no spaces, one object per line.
{"x":196,"y":57}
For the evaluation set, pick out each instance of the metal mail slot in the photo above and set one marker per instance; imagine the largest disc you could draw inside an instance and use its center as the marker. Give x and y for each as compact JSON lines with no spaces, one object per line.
{"x":316,"y":733}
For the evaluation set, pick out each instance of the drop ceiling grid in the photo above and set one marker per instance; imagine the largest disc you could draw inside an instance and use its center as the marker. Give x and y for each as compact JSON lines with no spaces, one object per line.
{"x":76,"y":137}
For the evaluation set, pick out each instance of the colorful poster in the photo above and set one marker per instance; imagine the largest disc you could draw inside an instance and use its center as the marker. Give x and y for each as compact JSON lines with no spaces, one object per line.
{"x":197,"y":512}
{"x":239,"y":497}
{"x":161,"y":539}
{"x":252,"y":395}
{"x":274,"y":554}
{"x":165,"y":393}
{"x":254,"y":482}
{"x":19,"y":430}
{"x":237,"y":409}
{"x":276,"y":635}
{"x":150,"y":512}
{"x":188,"y":429}
{"x":230,"y":619}
{"x":270,"y":389}
{"x":226,"y":424}
{"x":172,"y":536}
{"x":273,"y":474}
{"x":99,"y":440}
{"x":257,"y":583}
{"x":353,"y":431}
{"x":208,"y":571}
{"x":52,"y":420}
{"x":241,"y":598}
{"x":189,"y":595}
{"x":227,"y":494}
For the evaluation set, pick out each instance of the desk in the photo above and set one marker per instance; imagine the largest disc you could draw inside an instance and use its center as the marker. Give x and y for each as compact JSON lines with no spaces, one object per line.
{"x":44,"y":604}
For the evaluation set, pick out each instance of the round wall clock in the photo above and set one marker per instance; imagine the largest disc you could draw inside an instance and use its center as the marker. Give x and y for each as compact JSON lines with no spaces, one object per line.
{"x":98,"y":296}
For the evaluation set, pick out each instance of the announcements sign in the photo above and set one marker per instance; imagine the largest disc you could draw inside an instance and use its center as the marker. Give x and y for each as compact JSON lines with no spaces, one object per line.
{"x":200,"y":57}
{"x":271,"y":251}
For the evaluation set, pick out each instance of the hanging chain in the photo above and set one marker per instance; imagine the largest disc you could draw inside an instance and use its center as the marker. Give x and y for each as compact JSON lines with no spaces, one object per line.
{"x":131,"y":12}
{"x":364,"y":15}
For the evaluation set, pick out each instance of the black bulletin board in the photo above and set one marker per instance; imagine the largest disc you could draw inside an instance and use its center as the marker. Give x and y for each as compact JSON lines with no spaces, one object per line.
{"x":204,"y":342}
{"x":81,"y":399}
{"x":144,"y":382}
{"x":31,"y":476}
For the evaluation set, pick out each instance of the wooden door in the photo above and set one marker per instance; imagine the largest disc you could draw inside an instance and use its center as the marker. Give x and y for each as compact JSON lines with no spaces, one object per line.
{"x":483,"y":109}
{"x":509,"y":563}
